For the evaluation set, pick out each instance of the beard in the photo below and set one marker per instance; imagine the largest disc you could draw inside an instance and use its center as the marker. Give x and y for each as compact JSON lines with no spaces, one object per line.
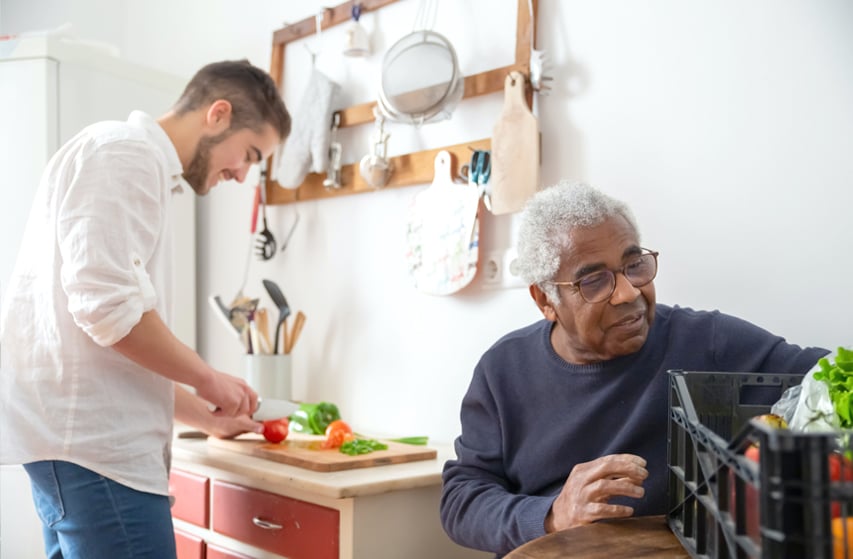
{"x":198,"y":170}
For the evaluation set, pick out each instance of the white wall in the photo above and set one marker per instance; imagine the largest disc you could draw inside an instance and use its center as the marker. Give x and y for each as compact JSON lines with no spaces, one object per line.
{"x":726,"y":126}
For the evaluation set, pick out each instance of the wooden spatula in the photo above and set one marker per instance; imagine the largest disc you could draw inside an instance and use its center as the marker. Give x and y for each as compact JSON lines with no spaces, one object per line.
{"x":298,"y":323}
{"x":515,"y":151}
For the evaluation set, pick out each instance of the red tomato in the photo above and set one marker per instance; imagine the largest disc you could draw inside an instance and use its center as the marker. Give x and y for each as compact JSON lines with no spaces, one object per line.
{"x":840,"y":469}
{"x":837,"y":463}
{"x":753,"y":453}
{"x":337,"y":433}
{"x":275,"y":430}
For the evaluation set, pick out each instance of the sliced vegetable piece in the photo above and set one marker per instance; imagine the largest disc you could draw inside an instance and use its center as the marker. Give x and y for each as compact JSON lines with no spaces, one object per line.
{"x":362,"y":446}
{"x":411,"y":440}
{"x":337,"y":433}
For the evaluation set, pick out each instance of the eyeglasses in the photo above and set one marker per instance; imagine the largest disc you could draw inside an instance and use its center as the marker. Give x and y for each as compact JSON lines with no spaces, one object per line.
{"x":599,"y":286}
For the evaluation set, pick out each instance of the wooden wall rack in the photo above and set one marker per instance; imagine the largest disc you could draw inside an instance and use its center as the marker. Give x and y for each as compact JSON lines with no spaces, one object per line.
{"x":409,"y":169}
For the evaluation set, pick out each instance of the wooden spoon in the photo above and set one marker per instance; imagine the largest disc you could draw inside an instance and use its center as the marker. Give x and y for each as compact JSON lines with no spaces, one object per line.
{"x":298,"y":323}
{"x":262,"y":320}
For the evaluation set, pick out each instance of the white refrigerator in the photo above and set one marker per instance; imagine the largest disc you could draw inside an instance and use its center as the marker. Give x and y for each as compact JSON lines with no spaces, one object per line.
{"x":50,"y":88}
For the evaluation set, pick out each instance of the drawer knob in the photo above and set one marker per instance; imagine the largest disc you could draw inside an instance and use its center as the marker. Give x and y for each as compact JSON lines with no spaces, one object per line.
{"x":265,"y":524}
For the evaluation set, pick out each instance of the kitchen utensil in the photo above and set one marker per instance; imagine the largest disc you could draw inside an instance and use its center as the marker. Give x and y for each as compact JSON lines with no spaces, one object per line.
{"x":298,"y":323}
{"x":254,"y":339}
{"x":375,"y":168}
{"x":290,"y":233}
{"x":515,"y":150}
{"x":223,"y":313}
{"x":333,"y":171}
{"x":304,"y":451}
{"x":265,"y":244}
{"x":357,"y":43}
{"x":239,"y":298}
{"x":420,"y":81}
{"x":262,"y":321}
{"x":443,"y":233}
{"x":283,"y":308}
{"x":274,"y":408}
{"x":540,"y":65}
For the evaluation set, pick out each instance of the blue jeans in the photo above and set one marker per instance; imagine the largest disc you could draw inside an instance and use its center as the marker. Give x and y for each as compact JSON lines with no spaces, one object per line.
{"x":87,"y":516}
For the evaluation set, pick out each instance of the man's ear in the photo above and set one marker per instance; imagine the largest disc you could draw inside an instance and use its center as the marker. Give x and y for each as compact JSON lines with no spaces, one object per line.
{"x":543,"y":303}
{"x":218,"y":117}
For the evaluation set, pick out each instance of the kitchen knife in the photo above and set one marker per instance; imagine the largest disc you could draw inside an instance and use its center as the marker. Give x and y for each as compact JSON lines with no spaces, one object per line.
{"x":270,"y":408}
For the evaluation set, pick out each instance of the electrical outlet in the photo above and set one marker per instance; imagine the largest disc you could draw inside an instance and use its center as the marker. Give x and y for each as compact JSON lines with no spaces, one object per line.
{"x":495,"y":270}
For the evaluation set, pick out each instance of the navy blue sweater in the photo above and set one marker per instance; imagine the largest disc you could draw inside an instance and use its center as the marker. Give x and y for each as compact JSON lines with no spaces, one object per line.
{"x":529,"y":417}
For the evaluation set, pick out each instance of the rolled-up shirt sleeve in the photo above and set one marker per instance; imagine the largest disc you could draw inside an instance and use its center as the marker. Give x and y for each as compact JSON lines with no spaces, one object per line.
{"x":108,"y":226}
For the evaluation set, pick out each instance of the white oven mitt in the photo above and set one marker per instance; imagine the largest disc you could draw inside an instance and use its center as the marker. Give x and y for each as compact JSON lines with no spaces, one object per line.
{"x":306,"y":150}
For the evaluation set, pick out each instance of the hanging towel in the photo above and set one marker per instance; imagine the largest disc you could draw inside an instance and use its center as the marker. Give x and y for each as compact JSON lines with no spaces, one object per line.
{"x":307,"y":148}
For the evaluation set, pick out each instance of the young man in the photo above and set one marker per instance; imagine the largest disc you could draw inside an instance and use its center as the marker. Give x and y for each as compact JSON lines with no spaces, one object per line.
{"x":88,"y":385}
{"x":565,"y":420}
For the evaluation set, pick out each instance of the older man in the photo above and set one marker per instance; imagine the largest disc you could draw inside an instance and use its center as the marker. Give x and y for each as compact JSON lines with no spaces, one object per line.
{"x":565,"y":420}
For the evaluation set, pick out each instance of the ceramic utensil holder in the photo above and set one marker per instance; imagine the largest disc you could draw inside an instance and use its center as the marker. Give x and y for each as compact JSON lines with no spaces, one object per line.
{"x":269,"y":375}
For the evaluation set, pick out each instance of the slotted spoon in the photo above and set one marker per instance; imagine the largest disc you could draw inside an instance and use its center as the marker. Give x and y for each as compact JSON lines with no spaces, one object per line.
{"x":265,"y":245}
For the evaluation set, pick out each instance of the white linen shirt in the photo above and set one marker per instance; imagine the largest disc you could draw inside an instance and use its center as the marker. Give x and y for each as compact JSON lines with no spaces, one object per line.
{"x":96,"y":255}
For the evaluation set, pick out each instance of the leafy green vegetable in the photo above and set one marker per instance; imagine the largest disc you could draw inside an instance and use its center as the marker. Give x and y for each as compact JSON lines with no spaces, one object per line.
{"x":411,"y":440}
{"x":314,"y":418}
{"x":838,"y":377}
{"x":362,"y":446}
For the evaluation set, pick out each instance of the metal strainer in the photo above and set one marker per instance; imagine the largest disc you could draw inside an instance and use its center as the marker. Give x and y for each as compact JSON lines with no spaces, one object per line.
{"x":421,"y":81}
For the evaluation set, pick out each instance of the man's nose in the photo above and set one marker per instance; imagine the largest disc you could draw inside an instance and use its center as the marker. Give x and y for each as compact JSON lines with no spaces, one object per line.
{"x":239,"y":175}
{"x":624,"y":292}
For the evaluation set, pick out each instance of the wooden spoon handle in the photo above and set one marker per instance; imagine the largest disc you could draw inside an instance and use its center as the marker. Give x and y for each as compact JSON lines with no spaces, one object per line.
{"x":263,"y":324}
{"x":298,"y":323}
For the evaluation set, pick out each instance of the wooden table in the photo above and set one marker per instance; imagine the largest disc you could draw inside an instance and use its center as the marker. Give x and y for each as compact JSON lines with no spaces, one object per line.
{"x":645,"y":536}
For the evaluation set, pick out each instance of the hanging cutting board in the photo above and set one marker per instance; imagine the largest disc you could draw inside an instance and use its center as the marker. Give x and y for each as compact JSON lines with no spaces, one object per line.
{"x":306,"y":453}
{"x":443,"y":233}
{"x":515,"y":151}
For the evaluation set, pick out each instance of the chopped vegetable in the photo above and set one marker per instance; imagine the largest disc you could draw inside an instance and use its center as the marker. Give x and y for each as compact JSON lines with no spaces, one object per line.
{"x":314,"y":418}
{"x":838,"y":377}
{"x":337,"y":433}
{"x":411,"y":440}
{"x":362,"y":446}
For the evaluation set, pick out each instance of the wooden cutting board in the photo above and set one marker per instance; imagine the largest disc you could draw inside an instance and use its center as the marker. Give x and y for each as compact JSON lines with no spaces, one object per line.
{"x":443,"y":233}
{"x":306,"y":453}
{"x":515,"y":151}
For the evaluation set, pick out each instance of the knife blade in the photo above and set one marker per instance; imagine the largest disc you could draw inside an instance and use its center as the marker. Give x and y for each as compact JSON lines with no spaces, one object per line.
{"x":271,"y":408}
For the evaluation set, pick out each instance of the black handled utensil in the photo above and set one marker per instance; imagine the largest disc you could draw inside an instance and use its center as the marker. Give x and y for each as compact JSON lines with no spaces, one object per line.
{"x":265,"y":245}
{"x":283,"y":308}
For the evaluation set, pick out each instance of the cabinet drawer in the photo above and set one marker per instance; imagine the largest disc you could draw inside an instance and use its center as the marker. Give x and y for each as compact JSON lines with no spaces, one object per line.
{"x":189,"y":546}
{"x":191,"y":497}
{"x":214,"y":552}
{"x":289,"y":527}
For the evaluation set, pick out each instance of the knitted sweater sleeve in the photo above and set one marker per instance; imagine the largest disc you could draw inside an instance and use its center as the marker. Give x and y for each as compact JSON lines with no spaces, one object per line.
{"x":480,"y":508}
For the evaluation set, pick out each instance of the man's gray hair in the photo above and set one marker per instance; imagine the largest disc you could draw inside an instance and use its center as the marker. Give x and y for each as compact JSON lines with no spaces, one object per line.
{"x":547,"y":222}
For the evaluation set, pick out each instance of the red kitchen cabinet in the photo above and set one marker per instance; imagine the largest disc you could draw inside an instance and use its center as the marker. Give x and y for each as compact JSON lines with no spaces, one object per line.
{"x":189,"y":546}
{"x":289,"y":527}
{"x":214,"y":552}
{"x":191,"y":493}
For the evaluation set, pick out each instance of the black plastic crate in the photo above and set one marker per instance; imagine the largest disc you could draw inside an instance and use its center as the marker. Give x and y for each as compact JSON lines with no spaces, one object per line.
{"x":723,"y":504}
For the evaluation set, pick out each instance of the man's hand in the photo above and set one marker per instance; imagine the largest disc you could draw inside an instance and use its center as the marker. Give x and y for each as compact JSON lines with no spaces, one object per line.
{"x":195,"y":412}
{"x":585,"y":495}
{"x":223,"y":427}
{"x":231,"y":395}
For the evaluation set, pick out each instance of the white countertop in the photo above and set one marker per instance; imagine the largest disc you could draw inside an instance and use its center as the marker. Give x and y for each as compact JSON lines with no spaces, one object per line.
{"x":341,"y":484}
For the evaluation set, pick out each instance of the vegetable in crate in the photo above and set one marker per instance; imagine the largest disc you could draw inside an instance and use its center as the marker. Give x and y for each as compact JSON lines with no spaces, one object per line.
{"x":314,"y":418}
{"x":838,"y":377}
